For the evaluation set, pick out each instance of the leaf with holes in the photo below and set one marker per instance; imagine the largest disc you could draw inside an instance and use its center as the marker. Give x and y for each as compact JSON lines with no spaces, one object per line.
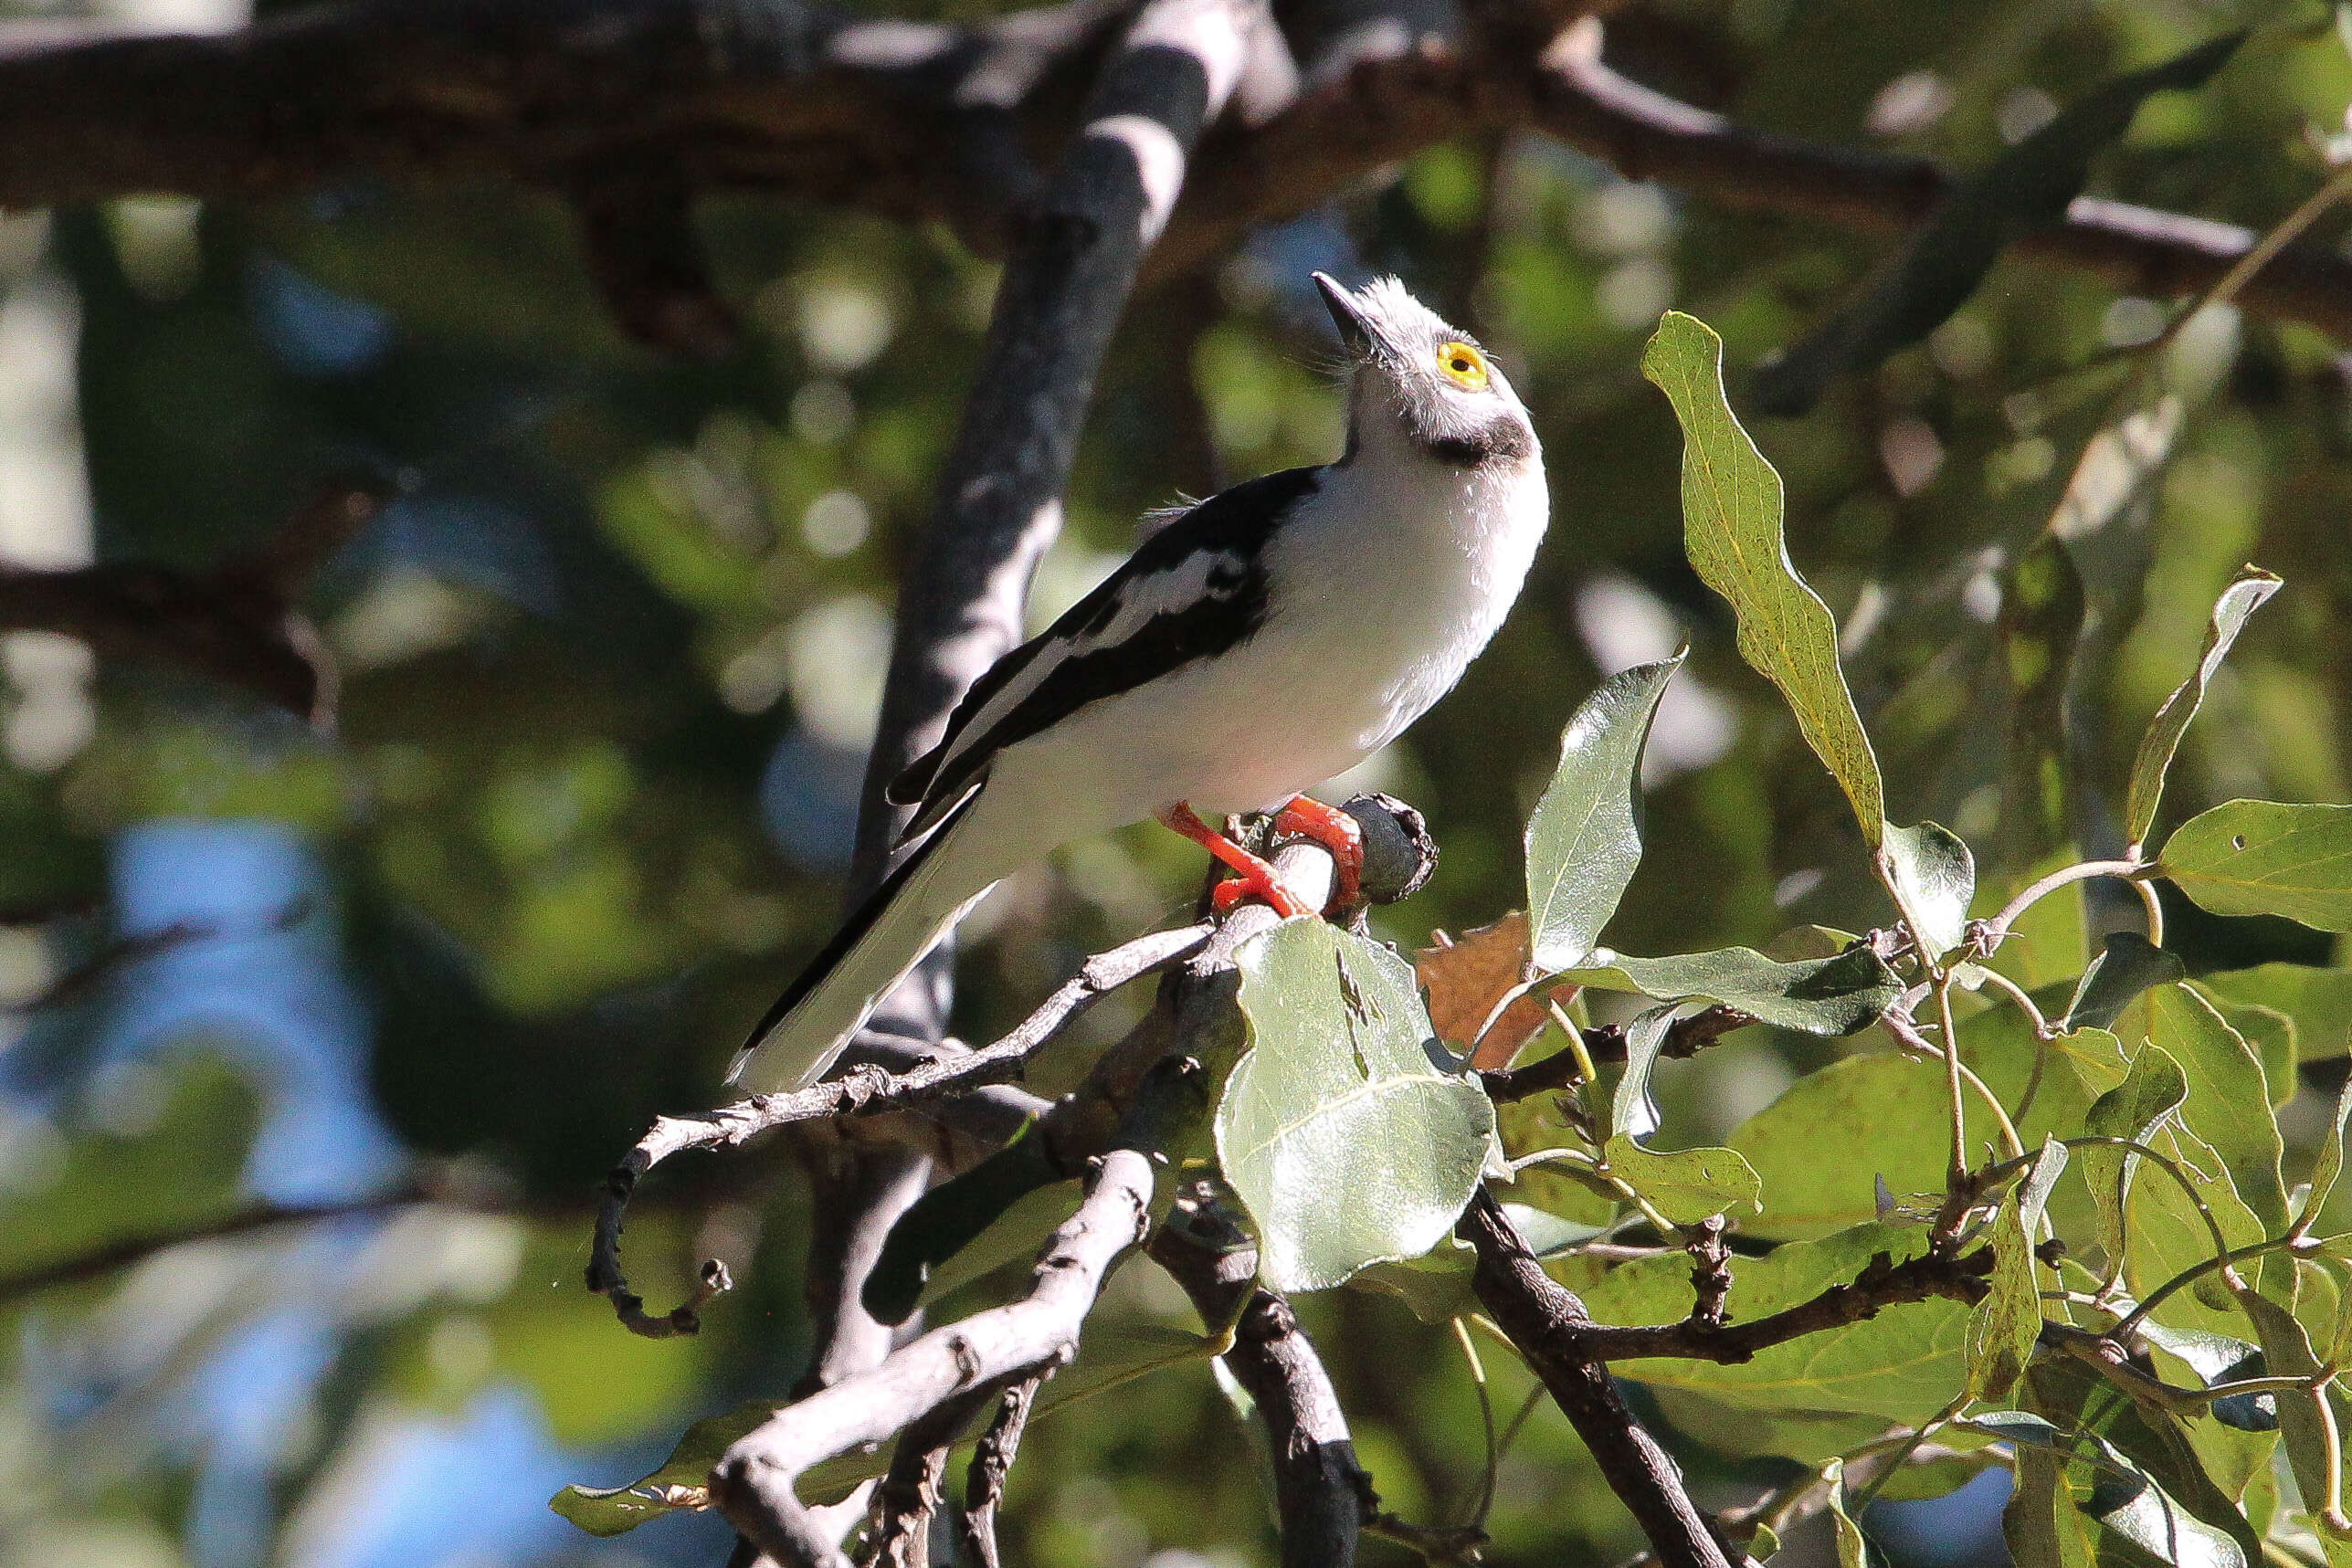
{"x":2262,"y":857}
{"x":1585,"y":838}
{"x":1349,"y":1134}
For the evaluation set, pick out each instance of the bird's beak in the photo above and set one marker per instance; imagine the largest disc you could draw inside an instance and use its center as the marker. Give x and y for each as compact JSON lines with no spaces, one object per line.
{"x":1355,"y":329}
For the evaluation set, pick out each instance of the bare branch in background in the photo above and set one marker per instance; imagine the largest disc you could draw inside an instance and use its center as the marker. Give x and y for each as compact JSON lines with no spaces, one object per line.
{"x":992,"y":1463}
{"x":926,"y":122}
{"x":235,"y":625}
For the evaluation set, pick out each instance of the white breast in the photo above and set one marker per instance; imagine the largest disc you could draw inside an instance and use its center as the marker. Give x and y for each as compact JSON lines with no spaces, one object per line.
{"x":1383,"y":587}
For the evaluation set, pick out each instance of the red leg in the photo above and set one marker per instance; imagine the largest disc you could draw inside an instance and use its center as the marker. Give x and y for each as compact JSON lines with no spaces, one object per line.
{"x":1335,"y":831}
{"x":1256,"y":877}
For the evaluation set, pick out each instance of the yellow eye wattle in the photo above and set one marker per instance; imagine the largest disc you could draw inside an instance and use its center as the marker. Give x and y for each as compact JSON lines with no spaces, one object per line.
{"x":1462,"y":365}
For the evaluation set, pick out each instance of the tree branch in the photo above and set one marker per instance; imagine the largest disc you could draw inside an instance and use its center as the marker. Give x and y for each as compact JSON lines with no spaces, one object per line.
{"x":868,"y":1088}
{"x":992,"y":1462}
{"x":1533,"y":1310}
{"x":922,"y":121}
{"x":1320,"y":1493}
{"x":754,"y":1480}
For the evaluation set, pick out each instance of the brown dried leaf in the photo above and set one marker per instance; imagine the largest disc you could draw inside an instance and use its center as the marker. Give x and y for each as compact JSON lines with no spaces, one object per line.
{"x":1465,"y":976}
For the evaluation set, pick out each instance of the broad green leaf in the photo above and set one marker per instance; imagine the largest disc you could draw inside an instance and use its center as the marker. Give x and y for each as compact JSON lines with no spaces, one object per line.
{"x":2025,"y":188}
{"x":2229,"y":1102}
{"x":2128,"y":966}
{"x":2041,"y":1523}
{"x":2318,"y":1000}
{"x":1904,"y":1365}
{"x":2272,"y":1035}
{"x":2147,"y":1482}
{"x":1932,"y":876}
{"x":2241,"y":599}
{"x":2262,"y":857}
{"x":1110,"y":1355}
{"x":1686,"y":1185}
{"x":1732,"y":507}
{"x":2135,"y":1109}
{"x":1851,"y":1552}
{"x":1883,"y":1115}
{"x":1585,"y":838}
{"x":1836,"y":995}
{"x":2008,"y":1322}
{"x":2214,"y":1359}
{"x":1349,"y":1132}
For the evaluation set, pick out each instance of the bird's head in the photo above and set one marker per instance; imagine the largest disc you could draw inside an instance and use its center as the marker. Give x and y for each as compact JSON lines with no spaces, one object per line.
{"x":1419,"y":379}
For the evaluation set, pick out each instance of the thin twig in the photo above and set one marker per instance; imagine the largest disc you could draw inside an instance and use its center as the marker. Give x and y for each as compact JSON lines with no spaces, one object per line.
{"x":867,"y":1090}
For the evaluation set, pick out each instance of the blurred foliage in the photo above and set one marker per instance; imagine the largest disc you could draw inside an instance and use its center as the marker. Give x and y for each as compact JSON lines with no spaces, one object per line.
{"x":610,"y":659}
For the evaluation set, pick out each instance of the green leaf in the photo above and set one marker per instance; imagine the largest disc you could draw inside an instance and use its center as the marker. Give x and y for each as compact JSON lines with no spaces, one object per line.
{"x":2272,"y":1035}
{"x":2135,"y":1109}
{"x":2025,"y":188}
{"x":1732,"y":507}
{"x":1902,"y":1365}
{"x":2262,"y":857}
{"x":1870,"y":1110}
{"x":2008,"y":1322}
{"x":2244,"y":596}
{"x":1836,"y":995}
{"x":2318,"y":1000}
{"x":2129,"y":965}
{"x":2229,"y":1103}
{"x":1585,"y":838}
{"x":1349,"y":1132}
{"x":1111,"y":1353}
{"x":1852,"y":1552}
{"x":2305,"y":1422}
{"x":2147,"y":1485}
{"x":1932,"y":876}
{"x":1686,"y":1185}
{"x":2328,"y":1164}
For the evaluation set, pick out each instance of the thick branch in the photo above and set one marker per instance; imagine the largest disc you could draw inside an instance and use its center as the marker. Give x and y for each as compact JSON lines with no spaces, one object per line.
{"x":1320,"y":1493}
{"x":1883,"y":1283}
{"x":1533,"y":1308}
{"x":923,"y":122}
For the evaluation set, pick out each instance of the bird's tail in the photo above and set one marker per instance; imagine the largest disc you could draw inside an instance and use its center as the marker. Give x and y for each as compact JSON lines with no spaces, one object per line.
{"x":872,"y":952}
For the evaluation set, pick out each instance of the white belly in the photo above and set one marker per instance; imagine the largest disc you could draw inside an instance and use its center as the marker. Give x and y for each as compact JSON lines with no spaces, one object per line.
{"x":1381,"y":593}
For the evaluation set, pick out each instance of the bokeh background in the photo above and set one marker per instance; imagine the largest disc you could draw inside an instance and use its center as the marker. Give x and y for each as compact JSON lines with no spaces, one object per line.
{"x":610,"y":658}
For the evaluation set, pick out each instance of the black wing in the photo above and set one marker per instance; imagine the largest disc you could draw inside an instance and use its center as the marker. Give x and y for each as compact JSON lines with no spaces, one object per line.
{"x":1193,"y":590}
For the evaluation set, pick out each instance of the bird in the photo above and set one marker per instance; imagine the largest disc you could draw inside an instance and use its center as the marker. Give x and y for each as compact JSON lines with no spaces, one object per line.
{"x":1262,"y":642}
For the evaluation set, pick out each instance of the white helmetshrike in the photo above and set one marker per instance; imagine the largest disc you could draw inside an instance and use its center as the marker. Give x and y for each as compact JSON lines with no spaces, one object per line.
{"x":1269,"y":637}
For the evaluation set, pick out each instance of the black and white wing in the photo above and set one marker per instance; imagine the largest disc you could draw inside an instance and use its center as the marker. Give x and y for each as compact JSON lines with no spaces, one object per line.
{"x":1193,"y":590}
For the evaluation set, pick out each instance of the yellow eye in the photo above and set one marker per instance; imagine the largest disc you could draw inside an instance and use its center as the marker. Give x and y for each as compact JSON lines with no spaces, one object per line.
{"x":1462,"y":365}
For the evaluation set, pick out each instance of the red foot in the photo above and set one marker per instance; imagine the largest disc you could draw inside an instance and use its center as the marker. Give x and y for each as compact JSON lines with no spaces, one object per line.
{"x":1335,"y":831}
{"x":1255,"y":879}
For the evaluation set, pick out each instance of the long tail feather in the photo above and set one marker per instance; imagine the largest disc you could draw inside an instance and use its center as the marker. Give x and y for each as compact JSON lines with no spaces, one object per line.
{"x":889,"y":934}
